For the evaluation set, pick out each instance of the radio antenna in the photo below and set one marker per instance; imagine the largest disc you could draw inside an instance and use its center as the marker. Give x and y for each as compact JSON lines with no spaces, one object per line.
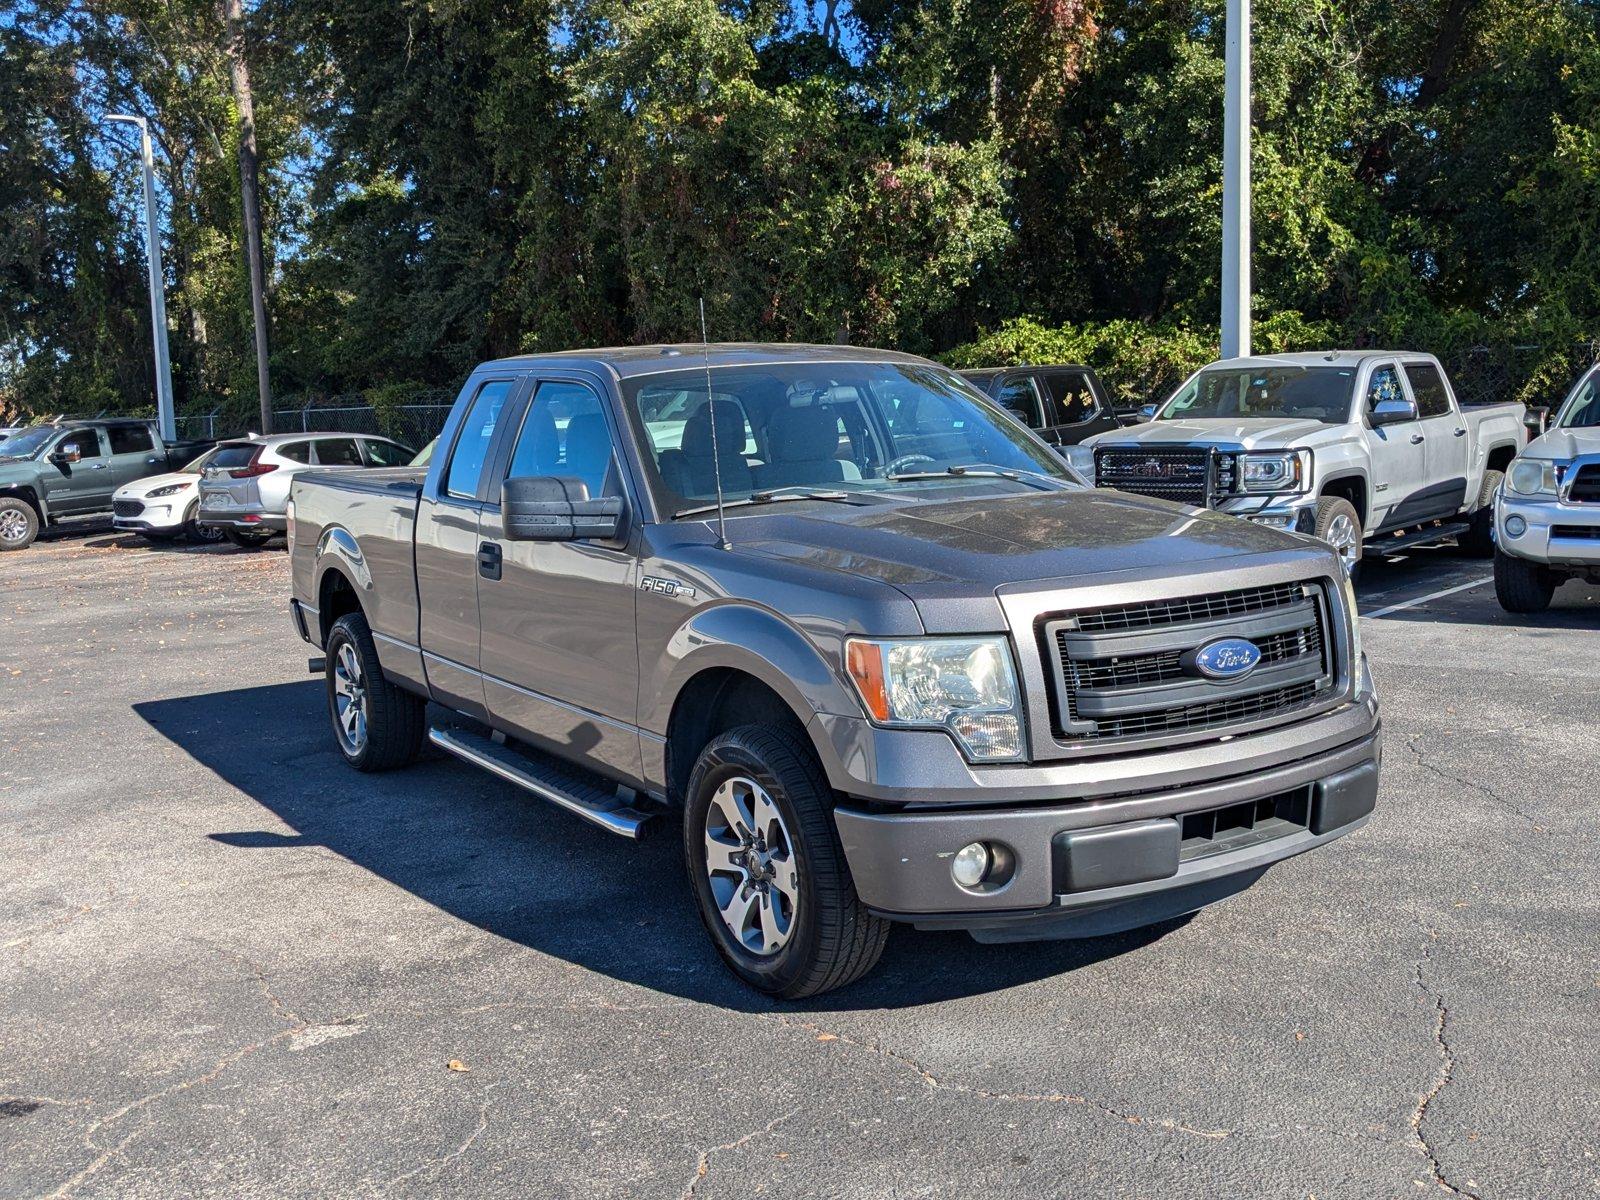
{"x":716,"y":453}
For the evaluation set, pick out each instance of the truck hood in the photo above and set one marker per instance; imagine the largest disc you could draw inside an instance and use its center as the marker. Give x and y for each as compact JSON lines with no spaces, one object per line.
{"x":1565,"y":444}
{"x":948,"y":554}
{"x":1257,"y":433}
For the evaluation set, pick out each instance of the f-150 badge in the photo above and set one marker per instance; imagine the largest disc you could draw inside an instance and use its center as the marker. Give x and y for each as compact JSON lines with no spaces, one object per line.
{"x":666,"y":587}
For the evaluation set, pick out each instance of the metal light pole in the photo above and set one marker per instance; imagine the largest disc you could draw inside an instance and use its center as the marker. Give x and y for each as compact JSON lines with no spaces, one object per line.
{"x":158,"y":298}
{"x":1236,"y":184}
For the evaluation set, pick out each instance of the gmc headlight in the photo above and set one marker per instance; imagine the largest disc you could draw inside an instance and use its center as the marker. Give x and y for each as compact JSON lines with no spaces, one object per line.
{"x":966,"y":686}
{"x":1533,"y":477}
{"x":1274,"y":471}
{"x":172,"y":489}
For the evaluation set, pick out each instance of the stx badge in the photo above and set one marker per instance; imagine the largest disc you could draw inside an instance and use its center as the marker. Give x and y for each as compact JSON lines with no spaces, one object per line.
{"x":666,"y":587}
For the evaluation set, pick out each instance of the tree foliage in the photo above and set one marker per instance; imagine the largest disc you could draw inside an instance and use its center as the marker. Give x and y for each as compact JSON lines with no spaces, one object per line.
{"x":990,"y":179}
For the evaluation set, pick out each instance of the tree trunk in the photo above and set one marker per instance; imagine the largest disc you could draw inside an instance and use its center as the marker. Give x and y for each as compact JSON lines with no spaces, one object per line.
{"x":250,"y":194}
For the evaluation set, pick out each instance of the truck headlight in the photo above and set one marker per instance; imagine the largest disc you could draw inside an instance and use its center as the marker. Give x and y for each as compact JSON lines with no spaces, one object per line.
{"x":1274,"y":471}
{"x":966,"y":686}
{"x":172,"y":489}
{"x":1533,"y":477}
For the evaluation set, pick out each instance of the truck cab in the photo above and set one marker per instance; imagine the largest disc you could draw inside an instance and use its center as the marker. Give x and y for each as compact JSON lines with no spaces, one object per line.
{"x":1063,"y":404}
{"x":1368,"y":450}
{"x":867,"y":642}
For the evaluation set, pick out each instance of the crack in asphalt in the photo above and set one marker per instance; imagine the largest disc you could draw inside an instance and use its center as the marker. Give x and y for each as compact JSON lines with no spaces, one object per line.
{"x":702,"y":1166}
{"x":437,"y":1163}
{"x":1442,"y":1076}
{"x":1482,"y":789}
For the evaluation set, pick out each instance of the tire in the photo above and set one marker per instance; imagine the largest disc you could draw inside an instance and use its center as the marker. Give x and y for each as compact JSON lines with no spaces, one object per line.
{"x":246,"y":540}
{"x":19,"y":524}
{"x":196,"y":532}
{"x":1478,"y":542}
{"x":831,"y":938}
{"x":1522,"y":586}
{"x":388,"y":729}
{"x":1339,"y":525}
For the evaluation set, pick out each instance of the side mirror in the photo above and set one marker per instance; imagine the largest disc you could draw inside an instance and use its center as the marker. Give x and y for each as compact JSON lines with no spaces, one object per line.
{"x":1147,"y":412}
{"x":1393,"y":412}
{"x":556,"y":508}
{"x":67,"y":453}
{"x":1536,"y":420}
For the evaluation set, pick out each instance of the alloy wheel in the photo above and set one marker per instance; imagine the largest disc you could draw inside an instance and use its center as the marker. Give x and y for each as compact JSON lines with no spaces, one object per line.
{"x":1344,"y":537}
{"x":350,"y":699}
{"x":752,"y":867}
{"x":13,"y":525}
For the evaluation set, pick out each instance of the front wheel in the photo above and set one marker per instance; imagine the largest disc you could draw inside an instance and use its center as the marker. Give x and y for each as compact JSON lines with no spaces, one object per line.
{"x":377,"y":725}
{"x":1339,"y":525}
{"x":247,"y":539}
{"x":768,"y":873}
{"x":19,"y":524}
{"x":1522,"y":586}
{"x":1478,"y":541}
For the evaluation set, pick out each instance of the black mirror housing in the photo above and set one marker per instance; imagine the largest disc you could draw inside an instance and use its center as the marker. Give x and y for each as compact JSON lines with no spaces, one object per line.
{"x":556,"y":508}
{"x":1536,"y":420}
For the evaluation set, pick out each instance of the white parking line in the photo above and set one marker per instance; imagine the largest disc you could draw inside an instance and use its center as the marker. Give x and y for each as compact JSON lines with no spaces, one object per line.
{"x":1449,"y":591}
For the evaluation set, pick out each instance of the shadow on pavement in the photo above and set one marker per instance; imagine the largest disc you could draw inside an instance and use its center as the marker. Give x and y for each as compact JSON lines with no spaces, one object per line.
{"x":486,"y":853}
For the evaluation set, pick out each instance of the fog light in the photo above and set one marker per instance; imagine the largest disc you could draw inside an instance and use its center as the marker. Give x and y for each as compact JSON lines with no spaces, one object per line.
{"x":1516,"y":526}
{"x":1276,"y":520}
{"x":971,"y":865}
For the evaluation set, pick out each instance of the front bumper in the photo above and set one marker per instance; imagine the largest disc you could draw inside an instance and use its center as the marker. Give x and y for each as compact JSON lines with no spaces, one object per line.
{"x":1554,"y":532}
{"x":1297,"y":514}
{"x":154,"y":519}
{"x":1101,"y":865}
{"x":255,"y":519}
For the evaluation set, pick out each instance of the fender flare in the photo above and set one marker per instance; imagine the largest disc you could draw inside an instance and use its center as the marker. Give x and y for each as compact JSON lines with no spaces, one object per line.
{"x":1366,"y":490}
{"x":33,"y":495}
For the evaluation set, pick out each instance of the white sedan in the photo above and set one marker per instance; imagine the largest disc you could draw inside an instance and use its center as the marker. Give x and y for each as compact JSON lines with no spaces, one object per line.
{"x":163,"y":507}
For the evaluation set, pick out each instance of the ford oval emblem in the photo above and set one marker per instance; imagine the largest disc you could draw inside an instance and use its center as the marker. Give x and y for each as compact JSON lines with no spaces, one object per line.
{"x":1225,"y":658}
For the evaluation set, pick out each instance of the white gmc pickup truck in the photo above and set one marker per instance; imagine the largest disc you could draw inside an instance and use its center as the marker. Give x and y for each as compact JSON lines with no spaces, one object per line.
{"x":1366,"y":449}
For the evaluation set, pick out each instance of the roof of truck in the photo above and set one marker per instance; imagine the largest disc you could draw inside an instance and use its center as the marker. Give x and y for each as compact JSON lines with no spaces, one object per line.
{"x":1318,"y":358}
{"x":629,"y":361}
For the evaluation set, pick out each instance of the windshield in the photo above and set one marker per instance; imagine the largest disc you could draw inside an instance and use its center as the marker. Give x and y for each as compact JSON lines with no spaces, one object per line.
{"x":425,"y":455}
{"x":1581,"y":410}
{"x":836,"y":427}
{"x":199,"y":464}
{"x":1296,"y":393}
{"x":27,"y":443}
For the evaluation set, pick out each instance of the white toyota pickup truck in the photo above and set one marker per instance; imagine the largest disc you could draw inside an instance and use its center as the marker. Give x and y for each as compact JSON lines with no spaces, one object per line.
{"x":1366,"y":449}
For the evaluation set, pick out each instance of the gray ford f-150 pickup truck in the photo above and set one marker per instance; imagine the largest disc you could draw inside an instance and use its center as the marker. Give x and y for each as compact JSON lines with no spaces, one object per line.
{"x":919,"y":673}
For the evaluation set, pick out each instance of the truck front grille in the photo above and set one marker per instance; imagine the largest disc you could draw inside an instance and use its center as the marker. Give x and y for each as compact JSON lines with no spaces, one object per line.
{"x":1126,"y":672}
{"x":1585,"y":488}
{"x":127,"y":508}
{"x":1185,"y":475}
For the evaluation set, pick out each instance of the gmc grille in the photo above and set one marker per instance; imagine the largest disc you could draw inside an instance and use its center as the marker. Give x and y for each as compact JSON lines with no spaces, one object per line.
{"x":1120,"y":672}
{"x":1187,"y":476}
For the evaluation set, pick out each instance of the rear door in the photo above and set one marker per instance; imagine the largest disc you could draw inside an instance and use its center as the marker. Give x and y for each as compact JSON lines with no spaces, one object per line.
{"x":134,"y":454}
{"x":1448,"y":448}
{"x":448,"y":517}
{"x":380,"y":452}
{"x":1398,"y":454}
{"x":560,"y":660}
{"x":1074,"y":408}
{"x":83,"y":486}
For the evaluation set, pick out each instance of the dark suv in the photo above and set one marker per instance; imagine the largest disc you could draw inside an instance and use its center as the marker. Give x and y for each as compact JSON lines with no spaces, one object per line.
{"x":1063,"y":404}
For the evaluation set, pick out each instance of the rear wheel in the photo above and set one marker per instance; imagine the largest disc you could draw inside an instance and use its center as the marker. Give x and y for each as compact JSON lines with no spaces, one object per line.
{"x":19,"y":524}
{"x":1479,"y":540}
{"x":377,"y":725}
{"x":200,"y":533}
{"x":246,"y":539}
{"x":768,"y":873}
{"x":1522,"y":586}
{"x":1339,"y":525}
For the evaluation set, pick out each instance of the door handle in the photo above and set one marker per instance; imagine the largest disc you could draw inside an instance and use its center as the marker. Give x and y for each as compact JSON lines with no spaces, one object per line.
{"x":100,"y":467}
{"x":154,"y":462}
{"x":489,"y":560}
{"x":1461,"y":433}
{"x":1417,"y":439}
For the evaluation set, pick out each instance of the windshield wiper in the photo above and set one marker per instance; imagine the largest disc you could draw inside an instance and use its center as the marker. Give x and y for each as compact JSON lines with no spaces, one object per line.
{"x":774,"y":496}
{"x":1033,"y":479}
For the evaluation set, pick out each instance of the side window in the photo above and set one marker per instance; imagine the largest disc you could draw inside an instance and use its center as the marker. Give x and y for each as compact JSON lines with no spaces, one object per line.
{"x":1016,"y":395}
{"x":385,"y":454}
{"x":337,"y":452}
{"x":477,"y":431}
{"x":86,"y":440}
{"x":1071,"y":397}
{"x":1427,"y":385}
{"x":565,"y":433}
{"x":129,"y":439}
{"x":299,"y":452}
{"x":1384,"y":385}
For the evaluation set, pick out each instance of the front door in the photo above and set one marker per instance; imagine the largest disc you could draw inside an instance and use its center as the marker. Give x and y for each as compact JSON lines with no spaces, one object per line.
{"x":559,"y":655}
{"x":447,"y":551}
{"x":1399,"y":457}
{"x":83,"y":486}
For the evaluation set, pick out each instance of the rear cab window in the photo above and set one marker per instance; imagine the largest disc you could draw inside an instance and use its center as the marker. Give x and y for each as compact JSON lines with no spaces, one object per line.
{"x":130,"y":439}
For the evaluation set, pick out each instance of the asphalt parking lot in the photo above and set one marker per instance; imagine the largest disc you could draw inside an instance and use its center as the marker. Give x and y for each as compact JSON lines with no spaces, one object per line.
{"x":230,"y":966}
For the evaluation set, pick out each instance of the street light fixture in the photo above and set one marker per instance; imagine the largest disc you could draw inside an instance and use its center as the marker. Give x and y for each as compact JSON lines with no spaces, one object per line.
{"x":158,"y":299}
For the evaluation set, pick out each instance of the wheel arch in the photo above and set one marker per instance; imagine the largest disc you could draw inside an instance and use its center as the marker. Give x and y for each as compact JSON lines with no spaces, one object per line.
{"x":30,"y":496}
{"x":1500,"y":456}
{"x":1351,"y":486}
